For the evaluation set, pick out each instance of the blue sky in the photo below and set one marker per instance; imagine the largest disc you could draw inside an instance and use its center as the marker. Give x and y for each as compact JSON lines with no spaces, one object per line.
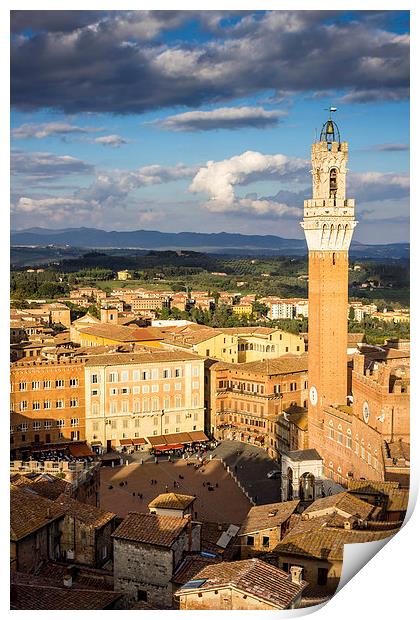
{"x":116,"y":114}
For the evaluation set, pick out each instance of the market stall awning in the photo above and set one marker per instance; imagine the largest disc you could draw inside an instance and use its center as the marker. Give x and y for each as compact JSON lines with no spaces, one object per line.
{"x":126,"y":442}
{"x":139,"y":441}
{"x":157,"y":440}
{"x":198,"y":436}
{"x":80,"y":450}
{"x":169,"y":446}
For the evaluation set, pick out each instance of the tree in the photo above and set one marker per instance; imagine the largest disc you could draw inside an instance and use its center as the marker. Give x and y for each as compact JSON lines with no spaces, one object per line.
{"x":351,"y":314}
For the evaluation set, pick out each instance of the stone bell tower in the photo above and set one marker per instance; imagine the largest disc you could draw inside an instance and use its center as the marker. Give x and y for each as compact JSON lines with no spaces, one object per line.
{"x":328,"y":224}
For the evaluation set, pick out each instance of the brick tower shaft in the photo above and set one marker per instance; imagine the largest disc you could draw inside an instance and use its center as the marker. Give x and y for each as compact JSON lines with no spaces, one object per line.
{"x":328,"y":225}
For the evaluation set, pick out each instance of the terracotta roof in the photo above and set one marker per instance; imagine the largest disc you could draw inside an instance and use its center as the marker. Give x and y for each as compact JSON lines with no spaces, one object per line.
{"x":342,"y":502}
{"x":327,"y":543}
{"x":85,"y":513}
{"x":190,"y":566}
{"x":254,"y":577}
{"x":150,"y":529}
{"x":397,"y":500}
{"x":299,"y":419}
{"x":48,"y":486}
{"x":274,"y":366}
{"x":121,"y":332}
{"x":149,"y":356}
{"x":371,"y":487}
{"x":30,"y":512}
{"x":176,"y":501}
{"x":268,"y":516}
{"x":33,"y":592}
{"x":210,"y":536}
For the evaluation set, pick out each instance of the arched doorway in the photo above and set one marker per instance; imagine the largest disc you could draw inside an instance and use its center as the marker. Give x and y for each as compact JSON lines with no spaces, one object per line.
{"x":307,"y":486}
{"x":289,"y":483}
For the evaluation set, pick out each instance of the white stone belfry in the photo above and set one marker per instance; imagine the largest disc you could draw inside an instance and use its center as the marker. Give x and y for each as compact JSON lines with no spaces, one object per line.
{"x":328,"y":219}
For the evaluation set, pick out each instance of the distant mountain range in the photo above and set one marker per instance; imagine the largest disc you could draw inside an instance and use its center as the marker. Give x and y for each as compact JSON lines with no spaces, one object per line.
{"x":204,"y":242}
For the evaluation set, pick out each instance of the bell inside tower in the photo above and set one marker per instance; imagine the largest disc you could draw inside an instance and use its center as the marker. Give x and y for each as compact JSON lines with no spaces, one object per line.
{"x":333,"y":183}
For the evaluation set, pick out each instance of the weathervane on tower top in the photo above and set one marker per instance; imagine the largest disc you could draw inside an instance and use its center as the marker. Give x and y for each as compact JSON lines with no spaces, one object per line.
{"x":330,"y":132}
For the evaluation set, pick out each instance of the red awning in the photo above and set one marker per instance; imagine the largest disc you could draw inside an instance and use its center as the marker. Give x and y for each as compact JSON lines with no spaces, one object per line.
{"x":80,"y":450}
{"x":126,"y":442}
{"x":169,"y":446}
{"x":198,"y":436}
{"x":139,"y":441}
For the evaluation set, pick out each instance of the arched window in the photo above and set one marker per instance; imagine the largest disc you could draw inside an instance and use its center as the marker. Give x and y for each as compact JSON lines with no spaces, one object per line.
{"x":333,"y":182}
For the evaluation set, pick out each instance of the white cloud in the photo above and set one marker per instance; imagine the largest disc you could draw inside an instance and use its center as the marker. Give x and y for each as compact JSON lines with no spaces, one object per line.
{"x":44,"y":130}
{"x":221,"y":118}
{"x":113,"y":140}
{"x":219,"y":179}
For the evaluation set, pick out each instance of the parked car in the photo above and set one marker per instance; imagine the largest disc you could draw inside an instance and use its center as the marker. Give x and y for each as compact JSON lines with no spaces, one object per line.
{"x":275,"y":473}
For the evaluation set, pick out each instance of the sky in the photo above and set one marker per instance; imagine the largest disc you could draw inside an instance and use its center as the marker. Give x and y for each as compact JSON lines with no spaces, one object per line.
{"x":203,"y":120}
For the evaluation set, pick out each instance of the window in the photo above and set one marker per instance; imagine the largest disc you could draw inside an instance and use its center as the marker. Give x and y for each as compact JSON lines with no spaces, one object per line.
{"x":124,"y":375}
{"x":36,"y":385}
{"x":74,"y":382}
{"x":177,"y":402}
{"x":155,"y":387}
{"x":113,"y":424}
{"x":293,"y":387}
{"x":348,"y":442}
{"x":74,"y":402}
{"x":136,"y":406}
{"x":47,"y":424}
{"x":125,"y":390}
{"x":166,"y":403}
{"x":60,"y":423}
{"x":166,"y":419}
{"x":113,"y":377}
{"x":95,"y":392}
{"x":142,"y":595}
{"x":95,"y":409}
{"x":125,"y":423}
{"x":95,"y":426}
{"x":22,"y":386}
{"x":145,"y":389}
{"x":322,"y":576}
{"x":250,"y":541}
{"x":178,"y":372}
{"x":136,"y":375}
{"x":155,"y":373}
{"x":136,"y":389}
{"x":113,"y":391}
{"x":94,"y":379}
{"x":155,"y":421}
{"x":75,"y":421}
{"x":196,"y":371}
{"x":145,"y":375}
{"x":166,"y":387}
{"x":178,"y":386}
{"x":74,"y":435}
{"x":36,"y":405}
{"x":37,"y":425}
{"x":59,"y":383}
{"x":195,"y":400}
{"x":178,"y":419}
{"x":155,"y":404}
{"x":113,"y":407}
{"x":195,"y":385}
{"x":265,"y":541}
{"x":59,"y":404}
{"x":166,"y":373}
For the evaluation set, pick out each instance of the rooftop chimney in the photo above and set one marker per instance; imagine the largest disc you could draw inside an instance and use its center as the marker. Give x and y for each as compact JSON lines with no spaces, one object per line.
{"x":67,"y":581}
{"x":296,"y":574}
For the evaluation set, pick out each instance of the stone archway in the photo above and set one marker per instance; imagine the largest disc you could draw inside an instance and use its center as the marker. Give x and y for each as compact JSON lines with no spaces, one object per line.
{"x":307,"y":486}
